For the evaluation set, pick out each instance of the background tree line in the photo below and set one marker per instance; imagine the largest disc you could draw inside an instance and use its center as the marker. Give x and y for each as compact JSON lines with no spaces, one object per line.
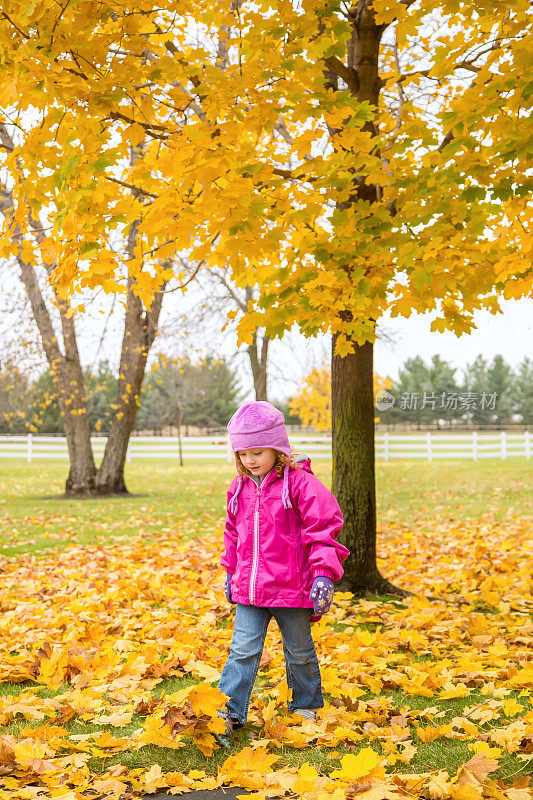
{"x":487,"y":393}
{"x":205,"y":395}
{"x":174,"y":392}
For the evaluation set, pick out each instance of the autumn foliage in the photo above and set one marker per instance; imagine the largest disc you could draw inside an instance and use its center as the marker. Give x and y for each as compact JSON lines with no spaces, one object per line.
{"x":312,"y":401}
{"x":346,"y":160}
{"x":103,"y":627}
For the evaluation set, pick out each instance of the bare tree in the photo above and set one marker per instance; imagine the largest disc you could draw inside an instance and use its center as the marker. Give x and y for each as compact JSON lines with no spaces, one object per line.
{"x":220,"y":299}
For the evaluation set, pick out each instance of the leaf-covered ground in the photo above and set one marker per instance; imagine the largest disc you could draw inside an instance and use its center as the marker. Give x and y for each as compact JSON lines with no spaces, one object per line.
{"x":114,"y":629}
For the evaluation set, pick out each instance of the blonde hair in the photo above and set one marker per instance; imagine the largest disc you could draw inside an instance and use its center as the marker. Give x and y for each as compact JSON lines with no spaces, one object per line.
{"x":279,"y":465}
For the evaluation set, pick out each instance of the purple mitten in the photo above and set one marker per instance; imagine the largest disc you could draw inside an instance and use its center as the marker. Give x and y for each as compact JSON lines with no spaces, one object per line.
{"x":227,"y":587}
{"x":322,"y":594}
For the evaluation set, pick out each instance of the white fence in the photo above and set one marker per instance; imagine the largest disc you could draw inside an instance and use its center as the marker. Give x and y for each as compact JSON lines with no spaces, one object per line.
{"x":389,"y":447}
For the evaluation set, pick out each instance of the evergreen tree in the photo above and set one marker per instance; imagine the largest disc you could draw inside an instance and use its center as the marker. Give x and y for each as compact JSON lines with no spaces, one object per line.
{"x":13,"y":400}
{"x":291,"y":418}
{"x":444,"y":390}
{"x":210,"y":393}
{"x":423,"y":394}
{"x":501,"y":386}
{"x":413,"y":381}
{"x":43,"y":412}
{"x":101,"y":393}
{"x":476,"y":393}
{"x":522,"y":391}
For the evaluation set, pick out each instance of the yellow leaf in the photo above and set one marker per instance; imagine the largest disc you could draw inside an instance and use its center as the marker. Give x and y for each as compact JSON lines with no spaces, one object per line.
{"x":518,"y":794}
{"x":358,"y":766}
{"x":154,"y":779}
{"x":438,"y":786}
{"x":511,"y":708}
{"x":430,"y":733}
{"x":474,"y":771}
{"x":250,"y":761}
{"x":196,"y":774}
{"x":307,"y":778}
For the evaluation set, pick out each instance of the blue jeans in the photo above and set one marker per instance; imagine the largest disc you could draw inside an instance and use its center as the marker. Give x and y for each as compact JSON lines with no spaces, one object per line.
{"x":240,"y":670}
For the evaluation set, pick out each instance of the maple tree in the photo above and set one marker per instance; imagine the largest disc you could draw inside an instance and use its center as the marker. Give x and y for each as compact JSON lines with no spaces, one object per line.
{"x":346,"y":158}
{"x":312,"y":401}
{"x":32,"y":254}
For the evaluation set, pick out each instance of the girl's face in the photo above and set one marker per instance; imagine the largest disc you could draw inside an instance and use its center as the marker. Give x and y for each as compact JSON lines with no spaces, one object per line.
{"x":259,"y":460}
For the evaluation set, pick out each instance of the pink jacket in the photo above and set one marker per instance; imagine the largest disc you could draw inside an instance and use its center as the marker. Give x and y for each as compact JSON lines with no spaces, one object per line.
{"x":274,"y":553}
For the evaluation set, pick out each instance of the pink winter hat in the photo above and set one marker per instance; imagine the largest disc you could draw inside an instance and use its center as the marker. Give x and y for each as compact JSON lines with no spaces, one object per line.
{"x":258,"y":424}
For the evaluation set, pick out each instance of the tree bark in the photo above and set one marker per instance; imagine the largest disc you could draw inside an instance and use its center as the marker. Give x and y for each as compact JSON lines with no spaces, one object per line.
{"x":257,"y":351}
{"x":140,"y":328}
{"x":68,"y":381}
{"x":353,"y":433}
{"x":82,"y":470}
{"x":259,"y":363}
{"x":354,"y":483}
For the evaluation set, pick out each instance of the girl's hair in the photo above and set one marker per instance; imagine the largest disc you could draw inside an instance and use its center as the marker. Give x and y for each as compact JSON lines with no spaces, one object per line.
{"x":279,"y":465}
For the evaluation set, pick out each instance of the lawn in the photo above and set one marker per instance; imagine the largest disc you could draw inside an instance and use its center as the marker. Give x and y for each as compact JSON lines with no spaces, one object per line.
{"x":114,"y":629}
{"x":35,"y":518}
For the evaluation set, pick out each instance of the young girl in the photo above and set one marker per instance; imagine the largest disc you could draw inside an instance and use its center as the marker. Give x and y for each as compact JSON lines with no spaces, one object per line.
{"x":281,"y":558}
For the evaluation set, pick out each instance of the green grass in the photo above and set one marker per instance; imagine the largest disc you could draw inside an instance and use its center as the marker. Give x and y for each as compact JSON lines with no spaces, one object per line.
{"x":453,"y":490}
{"x":445,"y":754}
{"x":35,"y":519}
{"x":164,"y":496}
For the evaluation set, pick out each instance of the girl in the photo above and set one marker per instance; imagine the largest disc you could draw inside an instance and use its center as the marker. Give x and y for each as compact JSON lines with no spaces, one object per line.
{"x":281,"y":558}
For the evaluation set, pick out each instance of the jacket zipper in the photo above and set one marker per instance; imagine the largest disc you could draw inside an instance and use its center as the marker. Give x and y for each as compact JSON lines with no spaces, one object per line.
{"x":255,"y":557}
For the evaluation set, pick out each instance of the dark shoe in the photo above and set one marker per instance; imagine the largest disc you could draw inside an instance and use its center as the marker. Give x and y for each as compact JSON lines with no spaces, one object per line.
{"x":224,"y":739}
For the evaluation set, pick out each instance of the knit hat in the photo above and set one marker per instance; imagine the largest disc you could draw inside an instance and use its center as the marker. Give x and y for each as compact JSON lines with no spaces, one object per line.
{"x":259,"y":424}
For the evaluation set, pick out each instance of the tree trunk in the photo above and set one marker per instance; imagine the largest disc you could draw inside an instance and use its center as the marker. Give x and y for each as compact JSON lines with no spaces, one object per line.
{"x":140,"y":328}
{"x":67,"y":375}
{"x":259,"y":363}
{"x":353,"y":429}
{"x":257,"y":353}
{"x":82,"y":469}
{"x":354,"y":483}
{"x":65,"y":369}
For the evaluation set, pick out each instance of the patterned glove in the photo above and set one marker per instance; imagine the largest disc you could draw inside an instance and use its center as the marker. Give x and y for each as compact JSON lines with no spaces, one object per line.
{"x":322,"y":594}
{"x":227,"y":587}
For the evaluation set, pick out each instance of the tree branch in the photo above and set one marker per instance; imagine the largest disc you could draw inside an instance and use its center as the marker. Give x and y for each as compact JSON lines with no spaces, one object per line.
{"x":446,"y":141}
{"x":235,"y":297}
{"x":196,"y":269}
{"x":496,"y":44}
{"x":14,"y":25}
{"x":135,"y":189}
{"x":348,"y":75}
{"x":148,"y":126}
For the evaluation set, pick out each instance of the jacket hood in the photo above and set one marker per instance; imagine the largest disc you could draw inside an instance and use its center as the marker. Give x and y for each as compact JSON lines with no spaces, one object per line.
{"x":304,"y":462}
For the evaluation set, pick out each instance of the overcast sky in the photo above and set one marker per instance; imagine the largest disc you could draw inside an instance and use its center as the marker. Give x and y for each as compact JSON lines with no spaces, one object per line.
{"x":509,"y":334}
